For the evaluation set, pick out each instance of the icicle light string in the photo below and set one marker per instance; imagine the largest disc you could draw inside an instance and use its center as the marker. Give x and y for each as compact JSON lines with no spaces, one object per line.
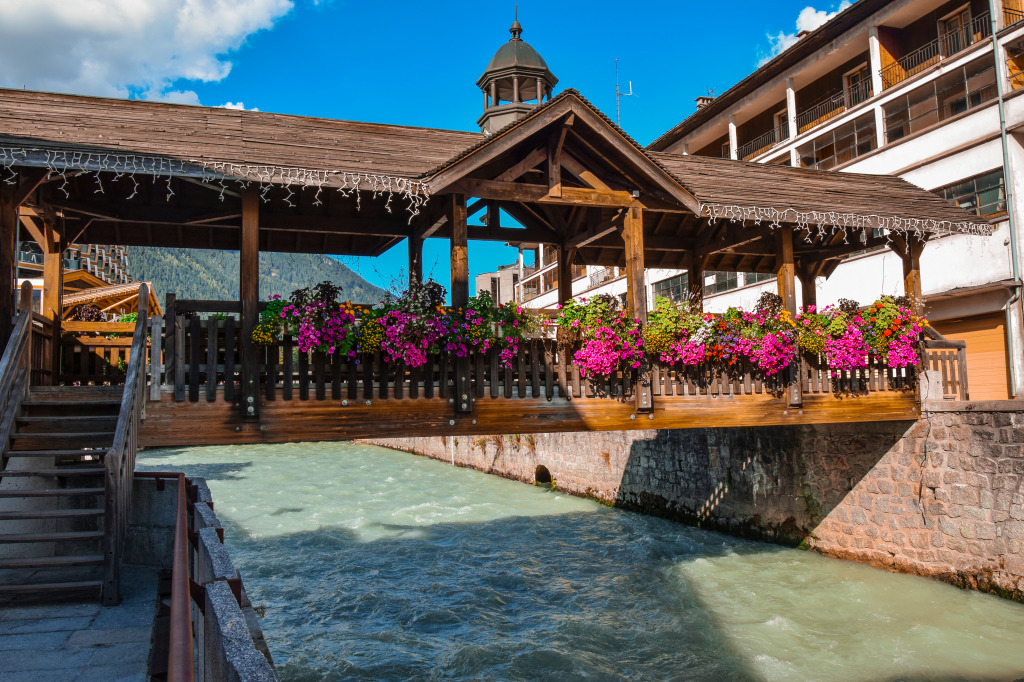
{"x":840,"y":222}
{"x":66,"y":164}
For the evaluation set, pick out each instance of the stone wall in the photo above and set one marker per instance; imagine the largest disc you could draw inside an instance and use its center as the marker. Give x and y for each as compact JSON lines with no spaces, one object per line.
{"x":941,"y":497}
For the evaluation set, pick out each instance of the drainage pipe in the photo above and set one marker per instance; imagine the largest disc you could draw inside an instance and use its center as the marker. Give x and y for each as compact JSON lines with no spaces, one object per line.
{"x":1000,"y":65}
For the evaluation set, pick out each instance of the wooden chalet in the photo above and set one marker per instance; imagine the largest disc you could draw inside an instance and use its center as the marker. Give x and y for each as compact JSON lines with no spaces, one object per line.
{"x":152,"y":174}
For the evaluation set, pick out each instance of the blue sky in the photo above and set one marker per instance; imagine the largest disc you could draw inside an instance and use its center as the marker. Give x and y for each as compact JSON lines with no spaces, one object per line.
{"x":409,"y":63}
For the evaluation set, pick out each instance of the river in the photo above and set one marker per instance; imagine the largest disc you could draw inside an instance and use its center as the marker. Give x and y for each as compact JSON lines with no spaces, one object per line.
{"x":377,"y":564}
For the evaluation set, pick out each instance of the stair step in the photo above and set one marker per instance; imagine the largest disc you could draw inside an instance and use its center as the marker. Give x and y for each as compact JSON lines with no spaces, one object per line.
{"x":51,"y":587}
{"x":57,"y":425}
{"x":57,"y":453}
{"x":53,"y":561}
{"x":62,"y":472}
{"x":60,"y":492}
{"x":74,"y":393}
{"x":52,"y":537}
{"x":49,"y":514}
{"x":112,"y":402}
{"x":32,"y":441}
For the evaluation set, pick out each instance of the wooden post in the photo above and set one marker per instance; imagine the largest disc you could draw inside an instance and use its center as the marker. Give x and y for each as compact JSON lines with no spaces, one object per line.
{"x":633,"y":235}
{"x":786,"y":272}
{"x":8,"y":260}
{"x":415,"y":259}
{"x":53,"y":289}
{"x":460,"y":295}
{"x":912,"y":273}
{"x":695,"y":281}
{"x":249,"y":288}
{"x":566,"y":256}
{"x":460,"y":250}
{"x":170,"y":315}
{"x":636,"y":297}
{"x":808,"y":288}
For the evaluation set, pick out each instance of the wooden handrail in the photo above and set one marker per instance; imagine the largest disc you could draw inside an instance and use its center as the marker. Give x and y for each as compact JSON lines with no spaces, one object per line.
{"x":119,"y":464}
{"x":15,"y":366}
{"x":180,"y":662}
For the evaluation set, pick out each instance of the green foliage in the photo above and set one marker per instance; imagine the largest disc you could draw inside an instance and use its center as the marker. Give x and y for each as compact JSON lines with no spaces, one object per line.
{"x":213,"y":275}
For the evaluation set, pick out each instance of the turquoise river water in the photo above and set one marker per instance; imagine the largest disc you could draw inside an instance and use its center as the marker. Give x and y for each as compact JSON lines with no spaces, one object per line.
{"x":376,"y":564}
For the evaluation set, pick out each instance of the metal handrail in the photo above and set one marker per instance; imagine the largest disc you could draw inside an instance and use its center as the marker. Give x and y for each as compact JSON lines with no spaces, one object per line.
{"x":833,"y":105}
{"x":946,"y":45}
{"x":119,"y":464}
{"x":1011,"y":17}
{"x":750,"y":149}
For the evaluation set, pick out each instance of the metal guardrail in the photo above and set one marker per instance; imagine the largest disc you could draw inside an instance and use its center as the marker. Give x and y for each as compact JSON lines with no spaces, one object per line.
{"x":1012,"y":17}
{"x":833,"y":105}
{"x":761,"y":143}
{"x":946,"y":45}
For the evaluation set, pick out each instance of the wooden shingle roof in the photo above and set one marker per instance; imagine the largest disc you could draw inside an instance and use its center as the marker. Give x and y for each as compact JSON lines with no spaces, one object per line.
{"x":207,"y":135}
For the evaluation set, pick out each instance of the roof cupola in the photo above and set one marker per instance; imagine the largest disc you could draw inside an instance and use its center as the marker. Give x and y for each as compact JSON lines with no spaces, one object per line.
{"x":516,"y":80}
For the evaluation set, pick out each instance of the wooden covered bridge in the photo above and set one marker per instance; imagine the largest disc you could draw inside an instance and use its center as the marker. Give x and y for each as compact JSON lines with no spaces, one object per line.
{"x":80,"y":169}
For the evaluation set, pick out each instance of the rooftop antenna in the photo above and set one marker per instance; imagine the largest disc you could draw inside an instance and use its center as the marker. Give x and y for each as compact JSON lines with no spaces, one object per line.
{"x":619,"y":93}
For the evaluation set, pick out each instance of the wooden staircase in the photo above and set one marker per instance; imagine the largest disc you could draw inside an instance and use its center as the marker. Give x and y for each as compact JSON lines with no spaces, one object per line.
{"x":52,"y":493}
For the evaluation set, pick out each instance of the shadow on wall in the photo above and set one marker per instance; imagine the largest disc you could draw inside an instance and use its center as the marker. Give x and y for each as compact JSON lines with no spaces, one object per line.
{"x":772,"y":483}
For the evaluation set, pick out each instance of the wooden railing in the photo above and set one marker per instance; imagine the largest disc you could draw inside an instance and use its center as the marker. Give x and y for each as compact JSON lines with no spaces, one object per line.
{"x":95,"y":353}
{"x":119,"y":464}
{"x":15,"y":370}
{"x":180,"y":662}
{"x":204,"y":357}
{"x":948,"y":359}
{"x":41,"y":350}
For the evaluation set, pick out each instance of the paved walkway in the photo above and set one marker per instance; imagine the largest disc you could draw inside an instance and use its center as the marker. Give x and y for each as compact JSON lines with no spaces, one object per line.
{"x":83,"y":642}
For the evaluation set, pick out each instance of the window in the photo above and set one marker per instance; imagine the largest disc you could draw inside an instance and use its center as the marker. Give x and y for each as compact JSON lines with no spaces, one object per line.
{"x":782,"y":125}
{"x":755,"y":277}
{"x":952,"y":93}
{"x":840,"y":145}
{"x":955,"y":31}
{"x":716,"y":282}
{"x":674,"y":288}
{"x":858,"y":86}
{"x":983,"y":195}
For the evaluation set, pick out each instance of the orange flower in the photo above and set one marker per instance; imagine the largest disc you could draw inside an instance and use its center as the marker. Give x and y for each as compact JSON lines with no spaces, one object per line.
{"x":888,"y":332}
{"x":873,"y":319}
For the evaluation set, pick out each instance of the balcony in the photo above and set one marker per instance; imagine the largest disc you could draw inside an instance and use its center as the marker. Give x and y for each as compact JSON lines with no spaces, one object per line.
{"x":1012,"y":17}
{"x":946,"y":45}
{"x":763,"y":143}
{"x":833,"y":105}
{"x":599,"y":276}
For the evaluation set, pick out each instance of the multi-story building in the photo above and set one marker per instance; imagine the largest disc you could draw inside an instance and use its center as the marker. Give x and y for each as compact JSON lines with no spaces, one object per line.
{"x":108,"y":264}
{"x":924,"y":89}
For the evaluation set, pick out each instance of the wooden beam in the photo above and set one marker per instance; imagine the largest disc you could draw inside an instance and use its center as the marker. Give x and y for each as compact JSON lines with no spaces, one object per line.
{"x":786,"y":273}
{"x":633,"y":236}
{"x":582,"y":173}
{"x":8,"y":260}
{"x":30,"y":179}
{"x":808,"y":284}
{"x":28,"y":221}
{"x":530,"y":162}
{"x":695,"y":280}
{"x":146,"y":214}
{"x":415,"y":260}
{"x":53,"y":286}
{"x":527,"y":193}
{"x":249,"y":292}
{"x":459,"y":250}
{"x":555,"y":142}
{"x":566,"y":257}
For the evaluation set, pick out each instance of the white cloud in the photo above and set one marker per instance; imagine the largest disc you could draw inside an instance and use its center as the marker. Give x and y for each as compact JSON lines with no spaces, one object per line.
{"x":240,"y":106}
{"x":119,"y":48}
{"x":808,"y":20}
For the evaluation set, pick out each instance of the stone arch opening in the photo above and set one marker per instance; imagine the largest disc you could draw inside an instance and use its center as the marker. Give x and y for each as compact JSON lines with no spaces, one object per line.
{"x":541,"y":476}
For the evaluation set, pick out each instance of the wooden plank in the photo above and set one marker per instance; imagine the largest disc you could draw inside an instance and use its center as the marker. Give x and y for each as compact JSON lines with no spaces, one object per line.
{"x":101,"y":327}
{"x":549,"y":373}
{"x":179,"y":358}
{"x":170,"y":320}
{"x":353,"y":379}
{"x":369,"y":362}
{"x":479,"y":375}
{"x":336,"y":373}
{"x":562,"y":377}
{"x":303,"y":376}
{"x":577,"y":389}
{"x":521,"y":371}
{"x":194,"y":358}
{"x":156,"y":357}
{"x":494,"y":359}
{"x":319,"y":379}
{"x":289,"y":370}
{"x":211,"y":359}
{"x":230,"y":342}
{"x":443,"y":389}
{"x":535,"y":360}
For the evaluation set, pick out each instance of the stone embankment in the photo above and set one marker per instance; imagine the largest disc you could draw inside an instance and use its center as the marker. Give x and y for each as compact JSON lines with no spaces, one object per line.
{"x":941,"y":497}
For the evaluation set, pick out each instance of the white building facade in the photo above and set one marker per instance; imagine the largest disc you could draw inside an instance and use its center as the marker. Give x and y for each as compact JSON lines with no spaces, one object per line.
{"x":930,"y":91}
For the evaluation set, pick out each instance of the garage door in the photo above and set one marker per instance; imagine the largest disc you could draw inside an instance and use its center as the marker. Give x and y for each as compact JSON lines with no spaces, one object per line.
{"x":987,"y":374}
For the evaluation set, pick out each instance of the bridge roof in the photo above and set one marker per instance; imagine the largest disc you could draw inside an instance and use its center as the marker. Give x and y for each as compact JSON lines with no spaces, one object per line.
{"x":202,"y":156}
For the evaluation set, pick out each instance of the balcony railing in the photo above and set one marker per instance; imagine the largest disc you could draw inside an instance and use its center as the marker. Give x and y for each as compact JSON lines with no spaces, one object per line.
{"x":601,"y":275}
{"x":763,"y":142}
{"x":945,"y":45}
{"x":1012,"y":17}
{"x":1015,"y":69}
{"x":833,"y":105}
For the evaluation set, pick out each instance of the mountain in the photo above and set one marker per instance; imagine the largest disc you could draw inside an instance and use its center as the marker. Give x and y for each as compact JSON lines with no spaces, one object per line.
{"x":213,"y":275}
